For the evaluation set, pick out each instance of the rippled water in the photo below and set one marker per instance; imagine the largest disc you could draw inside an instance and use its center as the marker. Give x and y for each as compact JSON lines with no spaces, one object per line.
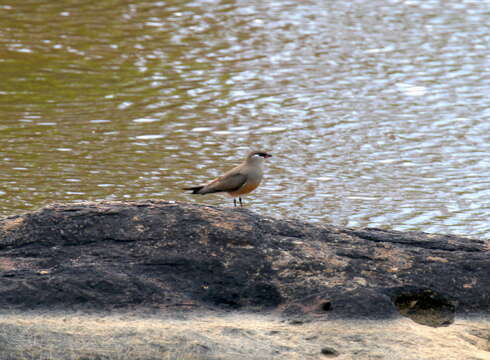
{"x":376,"y":111}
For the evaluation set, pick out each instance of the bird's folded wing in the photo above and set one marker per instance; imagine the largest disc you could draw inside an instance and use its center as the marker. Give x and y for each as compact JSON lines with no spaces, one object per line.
{"x":230,"y":182}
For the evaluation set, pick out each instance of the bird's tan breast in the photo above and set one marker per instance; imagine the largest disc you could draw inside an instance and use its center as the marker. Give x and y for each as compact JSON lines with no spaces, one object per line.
{"x":245,"y":189}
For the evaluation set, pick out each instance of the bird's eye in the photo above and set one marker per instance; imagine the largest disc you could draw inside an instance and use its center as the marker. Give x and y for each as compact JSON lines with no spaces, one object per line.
{"x":260,"y":155}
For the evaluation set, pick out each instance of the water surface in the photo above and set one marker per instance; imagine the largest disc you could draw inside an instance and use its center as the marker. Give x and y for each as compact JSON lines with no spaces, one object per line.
{"x":377,"y":112}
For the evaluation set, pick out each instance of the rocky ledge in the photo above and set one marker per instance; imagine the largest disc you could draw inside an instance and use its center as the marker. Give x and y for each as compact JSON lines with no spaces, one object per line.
{"x":107,"y":255}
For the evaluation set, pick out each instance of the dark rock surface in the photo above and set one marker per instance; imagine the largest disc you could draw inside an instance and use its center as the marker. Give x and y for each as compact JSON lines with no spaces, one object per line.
{"x":171,"y":255}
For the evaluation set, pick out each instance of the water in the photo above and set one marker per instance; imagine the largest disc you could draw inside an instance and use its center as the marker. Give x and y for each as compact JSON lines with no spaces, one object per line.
{"x":377,"y":112}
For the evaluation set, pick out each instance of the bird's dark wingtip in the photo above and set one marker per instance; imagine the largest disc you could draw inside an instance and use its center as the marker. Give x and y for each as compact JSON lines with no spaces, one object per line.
{"x":194,"y":189}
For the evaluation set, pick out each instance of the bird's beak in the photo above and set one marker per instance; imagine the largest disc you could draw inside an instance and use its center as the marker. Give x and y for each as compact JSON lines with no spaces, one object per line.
{"x":267,"y":156}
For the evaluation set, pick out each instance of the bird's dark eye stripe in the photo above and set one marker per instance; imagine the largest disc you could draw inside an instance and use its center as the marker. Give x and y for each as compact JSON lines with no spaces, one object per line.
{"x":262,"y":154}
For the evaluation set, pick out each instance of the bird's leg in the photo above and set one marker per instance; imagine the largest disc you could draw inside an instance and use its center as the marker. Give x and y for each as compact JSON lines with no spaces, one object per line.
{"x":234,"y":201}
{"x":240,"y":201}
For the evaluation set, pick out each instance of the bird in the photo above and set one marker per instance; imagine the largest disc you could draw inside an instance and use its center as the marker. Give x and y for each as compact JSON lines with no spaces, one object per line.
{"x":238,"y":181}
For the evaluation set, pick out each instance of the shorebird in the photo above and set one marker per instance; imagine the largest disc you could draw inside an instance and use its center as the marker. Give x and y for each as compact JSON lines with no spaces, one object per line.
{"x":239,"y":181}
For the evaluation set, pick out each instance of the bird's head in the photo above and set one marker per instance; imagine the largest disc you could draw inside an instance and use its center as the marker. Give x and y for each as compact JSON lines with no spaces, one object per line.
{"x":257,"y":157}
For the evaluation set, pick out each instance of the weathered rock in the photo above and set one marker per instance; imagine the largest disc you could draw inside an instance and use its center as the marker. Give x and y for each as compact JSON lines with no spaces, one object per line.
{"x":175,"y":255}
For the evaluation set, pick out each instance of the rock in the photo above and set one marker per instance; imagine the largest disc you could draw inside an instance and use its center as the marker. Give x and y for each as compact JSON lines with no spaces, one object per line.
{"x":106,"y":255}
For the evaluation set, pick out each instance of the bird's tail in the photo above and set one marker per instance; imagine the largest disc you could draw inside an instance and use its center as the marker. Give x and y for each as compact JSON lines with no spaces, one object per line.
{"x":195,"y":189}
